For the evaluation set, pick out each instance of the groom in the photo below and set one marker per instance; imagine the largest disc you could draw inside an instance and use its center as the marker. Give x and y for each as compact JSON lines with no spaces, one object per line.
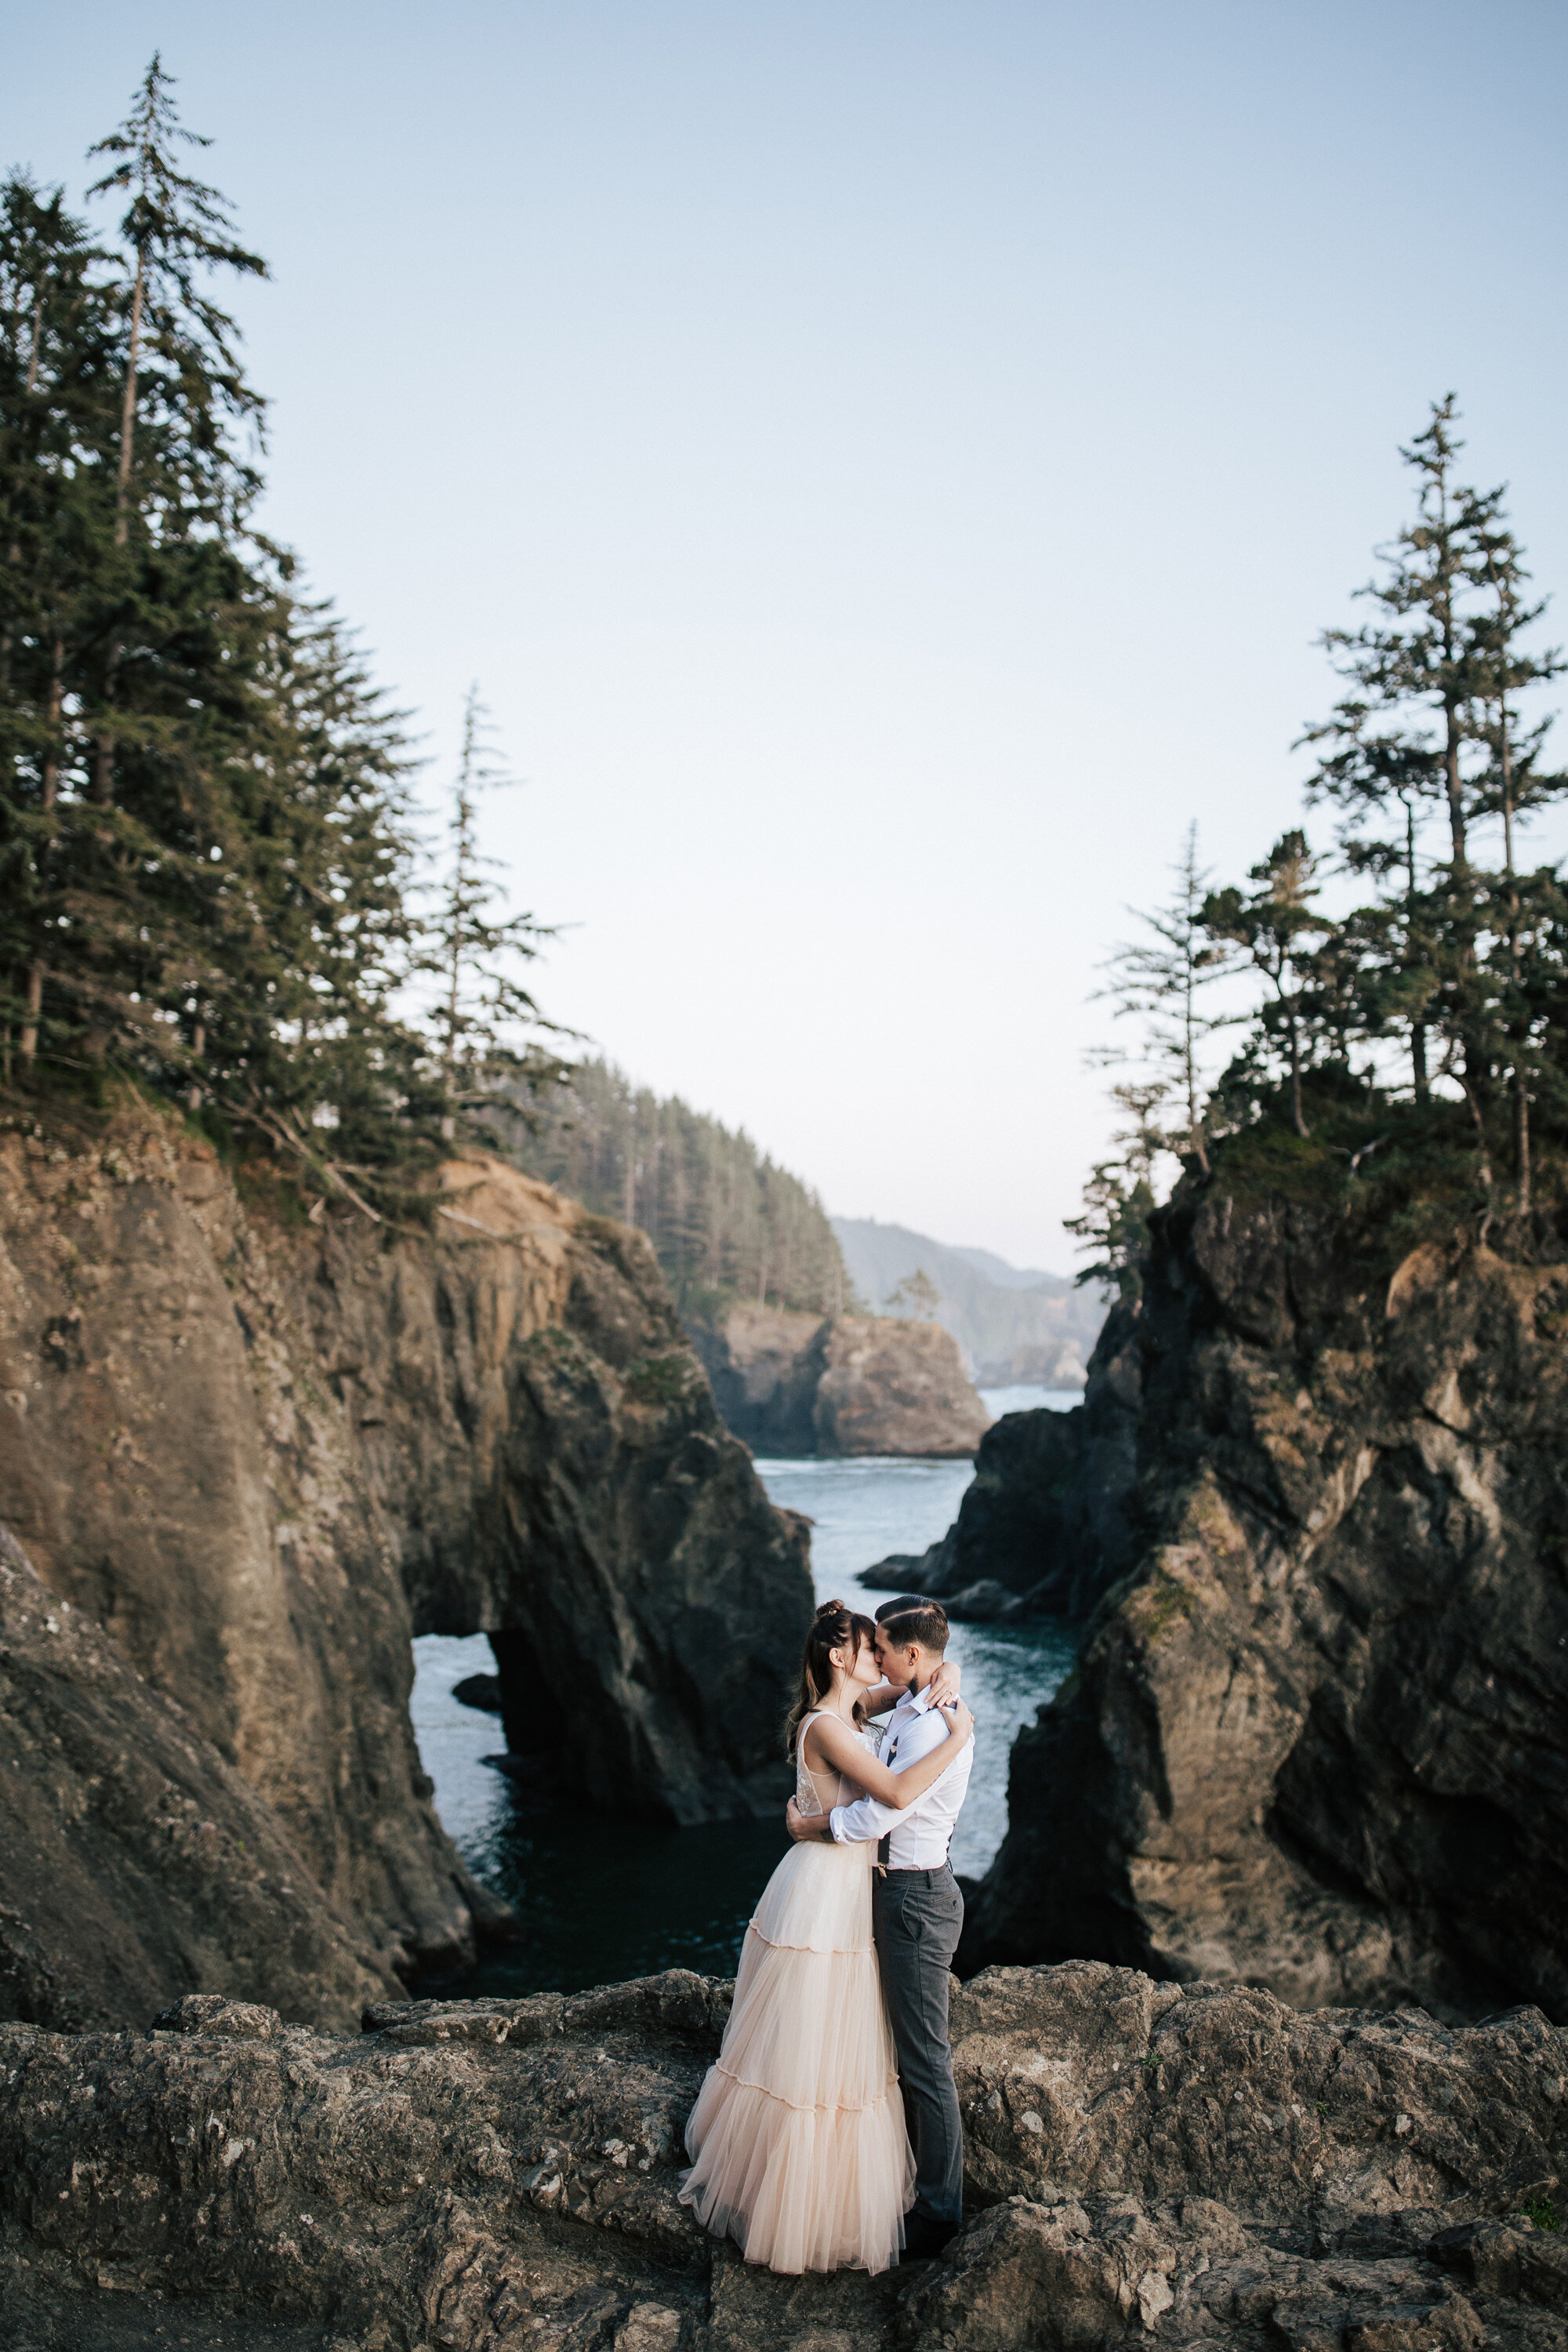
{"x":917,"y":1913}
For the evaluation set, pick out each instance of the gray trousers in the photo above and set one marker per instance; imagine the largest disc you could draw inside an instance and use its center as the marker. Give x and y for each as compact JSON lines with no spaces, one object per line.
{"x":917,"y":1916}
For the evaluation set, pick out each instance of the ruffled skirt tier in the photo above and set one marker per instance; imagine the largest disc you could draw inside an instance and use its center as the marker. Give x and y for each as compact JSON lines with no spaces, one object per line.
{"x":797,"y":2139}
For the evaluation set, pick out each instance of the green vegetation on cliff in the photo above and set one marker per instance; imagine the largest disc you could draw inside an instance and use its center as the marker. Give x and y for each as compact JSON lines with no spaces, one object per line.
{"x":1403,"y":1052}
{"x":725,"y":1220}
{"x":211,"y":875}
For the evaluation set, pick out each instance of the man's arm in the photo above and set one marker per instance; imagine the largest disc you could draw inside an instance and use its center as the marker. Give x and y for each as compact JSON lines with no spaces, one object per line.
{"x":868,"y":1820}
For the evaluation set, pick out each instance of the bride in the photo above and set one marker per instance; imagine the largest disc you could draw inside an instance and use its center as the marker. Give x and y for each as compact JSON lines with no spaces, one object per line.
{"x":797,"y":2139}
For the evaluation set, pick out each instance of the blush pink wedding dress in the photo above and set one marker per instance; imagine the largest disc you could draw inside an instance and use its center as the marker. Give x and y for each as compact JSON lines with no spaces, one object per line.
{"x":797,"y":2139}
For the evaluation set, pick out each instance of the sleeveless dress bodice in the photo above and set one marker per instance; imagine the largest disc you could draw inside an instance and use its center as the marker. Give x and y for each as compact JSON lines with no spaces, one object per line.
{"x":819,"y":1793}
{"x":797,"y":2140}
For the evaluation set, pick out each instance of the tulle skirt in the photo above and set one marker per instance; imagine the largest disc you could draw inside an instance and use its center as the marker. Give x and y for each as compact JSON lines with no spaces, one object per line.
{"x":797,"y":2139}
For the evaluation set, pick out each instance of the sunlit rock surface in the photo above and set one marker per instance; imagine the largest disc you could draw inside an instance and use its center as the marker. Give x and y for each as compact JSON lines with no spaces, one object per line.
{"x":849,"y":1384}
{"x":260,"y":1449}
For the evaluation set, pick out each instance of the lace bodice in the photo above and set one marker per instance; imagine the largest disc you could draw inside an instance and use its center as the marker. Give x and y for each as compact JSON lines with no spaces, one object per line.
{"x":819,"y":1793}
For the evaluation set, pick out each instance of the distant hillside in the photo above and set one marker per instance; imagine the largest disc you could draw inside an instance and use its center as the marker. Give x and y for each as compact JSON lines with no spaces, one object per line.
{"x":1014,"y":1324}
{"x":726,"y":1221}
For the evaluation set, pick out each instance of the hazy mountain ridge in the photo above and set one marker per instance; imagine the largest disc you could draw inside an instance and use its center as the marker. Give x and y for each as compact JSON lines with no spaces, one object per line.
{"x":1014,"y":1324}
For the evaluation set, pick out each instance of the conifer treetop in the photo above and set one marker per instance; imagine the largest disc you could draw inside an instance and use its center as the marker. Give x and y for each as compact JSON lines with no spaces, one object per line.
{"x":174,"y":223}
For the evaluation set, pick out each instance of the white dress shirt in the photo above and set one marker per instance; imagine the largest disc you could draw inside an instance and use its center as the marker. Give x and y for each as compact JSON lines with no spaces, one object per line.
{"x":922,"y":1833}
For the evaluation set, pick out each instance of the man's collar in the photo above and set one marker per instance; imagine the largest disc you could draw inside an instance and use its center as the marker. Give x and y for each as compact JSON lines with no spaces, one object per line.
{"x":919,"y":1700}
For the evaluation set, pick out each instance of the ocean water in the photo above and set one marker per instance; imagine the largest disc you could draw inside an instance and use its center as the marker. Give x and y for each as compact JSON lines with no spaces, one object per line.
{"x":603,"y":1896}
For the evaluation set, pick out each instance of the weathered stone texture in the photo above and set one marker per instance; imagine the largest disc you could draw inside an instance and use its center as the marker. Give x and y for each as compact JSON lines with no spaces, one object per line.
{"x":1319,"y":1739}
{"x":260,"y":1454}
{"x":791,"y":1383}
{"x":138,"y":1865}
{"x":1147,"y":2164}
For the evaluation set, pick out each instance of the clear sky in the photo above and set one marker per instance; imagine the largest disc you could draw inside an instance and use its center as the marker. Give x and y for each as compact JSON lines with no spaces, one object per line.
{"x":885,"y":462}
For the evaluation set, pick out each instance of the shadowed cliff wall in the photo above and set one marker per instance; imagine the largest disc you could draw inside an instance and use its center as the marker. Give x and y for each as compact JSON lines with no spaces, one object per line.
{"x":1318,"y":1735}
{"x":260,"y":1454}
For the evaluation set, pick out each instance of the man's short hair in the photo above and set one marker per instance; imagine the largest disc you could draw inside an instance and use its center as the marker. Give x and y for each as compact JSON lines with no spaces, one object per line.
{"x":926,"y":1623}
{"x":901,"y":1606}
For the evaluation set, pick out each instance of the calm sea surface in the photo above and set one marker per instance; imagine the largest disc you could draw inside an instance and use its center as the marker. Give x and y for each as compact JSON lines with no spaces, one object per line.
{"x":603,"y":1897}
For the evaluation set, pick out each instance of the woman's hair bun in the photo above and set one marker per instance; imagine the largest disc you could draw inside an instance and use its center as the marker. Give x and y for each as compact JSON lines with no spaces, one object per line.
{"x":829,"y":1609}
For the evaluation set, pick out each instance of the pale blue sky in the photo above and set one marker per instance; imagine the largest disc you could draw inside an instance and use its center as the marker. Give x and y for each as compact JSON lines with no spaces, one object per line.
{"x":886,"y":464}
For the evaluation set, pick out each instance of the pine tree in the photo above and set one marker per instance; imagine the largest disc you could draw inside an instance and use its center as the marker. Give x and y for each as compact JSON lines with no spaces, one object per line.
{"x":473,"y":955}
{"x":175,"y":226}
{"x":1513,"y":786}
{"x":1119,"y":1198}
{"x":1162,"y":980}
{"x":917,"y":1296}
{"x":1406,"y":737}
{"x":1277,"y":930}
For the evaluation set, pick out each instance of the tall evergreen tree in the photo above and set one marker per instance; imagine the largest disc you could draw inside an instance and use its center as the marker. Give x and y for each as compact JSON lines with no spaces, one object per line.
{"x":1280,"y":933}
{"x":177,"y":230}
{"x":1513,"y":786}
{"x":484,"y":1017}
{"x":57,"y":357}
{"x":1164,"y":981}
{"x":205,"y":830}
{"x":1119,"y":1199}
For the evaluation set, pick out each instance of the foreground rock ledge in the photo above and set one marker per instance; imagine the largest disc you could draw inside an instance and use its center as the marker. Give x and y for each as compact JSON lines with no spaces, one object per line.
{"x":1146,"y":2163}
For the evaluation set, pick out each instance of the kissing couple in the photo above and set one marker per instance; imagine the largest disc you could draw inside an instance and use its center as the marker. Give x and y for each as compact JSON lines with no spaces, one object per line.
{"x":826,"y":2134}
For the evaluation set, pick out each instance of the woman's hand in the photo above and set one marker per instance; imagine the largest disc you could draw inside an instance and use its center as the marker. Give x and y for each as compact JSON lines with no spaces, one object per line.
{"x":944,"y":1686}
{"x":962,"y":1723}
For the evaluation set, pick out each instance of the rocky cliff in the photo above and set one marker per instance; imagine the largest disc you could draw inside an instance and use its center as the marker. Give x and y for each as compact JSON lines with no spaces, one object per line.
{"x":138,"y":1865}
{"x":1010,"y":1552}
{"x":790,"y":1383}
{"x":260,"y":1449}
{"x":1146,"y":2164}
{"x":1317,"y":1740}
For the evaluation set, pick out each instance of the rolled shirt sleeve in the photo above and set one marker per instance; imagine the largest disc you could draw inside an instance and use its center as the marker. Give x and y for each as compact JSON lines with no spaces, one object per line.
{"x":868,"y":1819}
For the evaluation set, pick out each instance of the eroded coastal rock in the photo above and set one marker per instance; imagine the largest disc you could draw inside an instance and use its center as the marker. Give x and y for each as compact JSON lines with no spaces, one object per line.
{"x":260,"y":1449}
{"x":1318,"y":1735}
{"x":138,"y":1865}
{"x":764,"y":1367}
{"x":1146,"y":2164}
{"x":847,"y":1384}
{"x":1013,"y":1550}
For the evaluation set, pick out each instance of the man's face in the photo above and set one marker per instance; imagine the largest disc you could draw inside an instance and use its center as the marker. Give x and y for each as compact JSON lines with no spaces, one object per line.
{"x":898,"y":1665}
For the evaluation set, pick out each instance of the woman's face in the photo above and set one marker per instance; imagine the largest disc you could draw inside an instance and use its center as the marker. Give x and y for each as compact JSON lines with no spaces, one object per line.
{"x":867,"y":1670}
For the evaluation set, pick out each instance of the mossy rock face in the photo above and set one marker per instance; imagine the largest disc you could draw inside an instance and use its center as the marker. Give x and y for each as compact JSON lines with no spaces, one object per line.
{"x":658,"y":1380}
{"x":1153,"y":1607}
{"x":1394,"y":1174}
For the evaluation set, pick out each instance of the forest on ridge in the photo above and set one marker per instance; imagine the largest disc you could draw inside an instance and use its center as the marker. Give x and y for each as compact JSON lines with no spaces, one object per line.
{"x":724,"y":1219}
{"x":215,"y":882}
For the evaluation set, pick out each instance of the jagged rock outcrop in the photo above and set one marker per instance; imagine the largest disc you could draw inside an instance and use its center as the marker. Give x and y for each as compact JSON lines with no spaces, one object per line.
{"x":260,"y":1449}
{"x":1008,"y":1554}
{"x":1317,"y":1737}
{"x":796,"y":1384}
{"x":894,"y":1387}
{"x":1146,"y":2163}
{"x":139,"y":1865}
